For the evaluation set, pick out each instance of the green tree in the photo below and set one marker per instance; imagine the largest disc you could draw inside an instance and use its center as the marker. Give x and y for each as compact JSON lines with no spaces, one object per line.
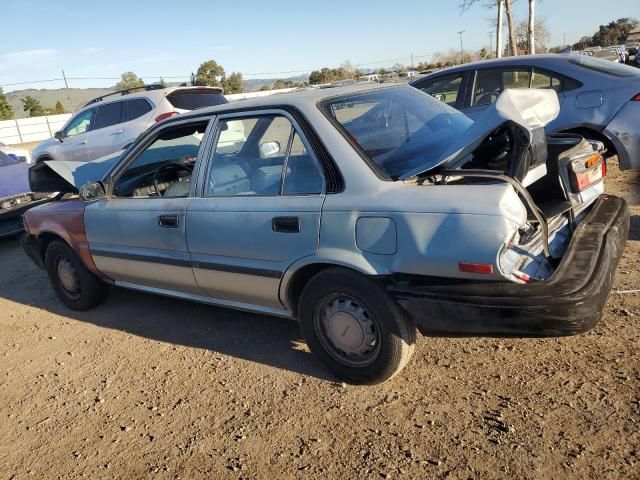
{"x":6,"y":110}
{"x":232,"y":83}
{"x":58,"y":109}
{"x":614,"y":33}
{"x":209,"y":74}
{"x":32,"y":106}
{"x":129,"y":80}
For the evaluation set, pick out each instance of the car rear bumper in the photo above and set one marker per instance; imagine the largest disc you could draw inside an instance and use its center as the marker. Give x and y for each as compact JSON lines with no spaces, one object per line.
{"x":568,"y":303}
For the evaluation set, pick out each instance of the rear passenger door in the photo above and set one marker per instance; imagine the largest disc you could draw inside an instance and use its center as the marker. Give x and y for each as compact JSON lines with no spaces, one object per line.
{"x":257,"y":210}
{"x":138,"y":117}
{"x":108,"y":134}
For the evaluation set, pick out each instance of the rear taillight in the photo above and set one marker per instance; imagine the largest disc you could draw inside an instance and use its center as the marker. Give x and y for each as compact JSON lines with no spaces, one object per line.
{"x":470,"y":267}
{"x":586,"y":173}
{"x":164,"y":116}
{"x":636,"y":98}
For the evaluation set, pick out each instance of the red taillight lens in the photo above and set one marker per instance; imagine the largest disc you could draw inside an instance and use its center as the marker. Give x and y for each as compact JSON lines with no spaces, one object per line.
{"x":586,"y":173}
{"x":636,"y":98}
{"x":470,"y":267}
{"x":164,"y":116}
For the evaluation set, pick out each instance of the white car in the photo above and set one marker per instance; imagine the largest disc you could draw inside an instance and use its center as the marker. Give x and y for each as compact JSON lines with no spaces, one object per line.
{"x":110,"y":123}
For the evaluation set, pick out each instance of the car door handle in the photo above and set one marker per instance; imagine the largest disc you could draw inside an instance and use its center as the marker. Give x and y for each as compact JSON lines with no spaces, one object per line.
{"x":168,"y":221}
{"x":117,"y":132}
{"x":286,"y":224}
{"x":83,"y":142}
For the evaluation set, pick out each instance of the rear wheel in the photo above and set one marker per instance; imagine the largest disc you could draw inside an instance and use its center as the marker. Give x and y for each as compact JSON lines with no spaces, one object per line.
{"x":74,"y":284}
{"x":354,"y":327}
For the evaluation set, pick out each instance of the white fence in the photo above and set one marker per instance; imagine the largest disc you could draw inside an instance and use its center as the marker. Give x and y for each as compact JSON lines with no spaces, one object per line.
{"x":32,"y":129}
{"x":35,"y":129}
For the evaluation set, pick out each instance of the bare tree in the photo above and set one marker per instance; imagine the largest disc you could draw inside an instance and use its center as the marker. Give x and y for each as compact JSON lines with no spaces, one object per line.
{"x":466,"y":4}
{"x":532,"y":26}
{"x":513,"y":49}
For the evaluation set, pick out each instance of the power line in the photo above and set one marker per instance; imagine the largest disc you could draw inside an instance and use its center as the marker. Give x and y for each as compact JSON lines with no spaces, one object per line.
{"x":186,"y":77}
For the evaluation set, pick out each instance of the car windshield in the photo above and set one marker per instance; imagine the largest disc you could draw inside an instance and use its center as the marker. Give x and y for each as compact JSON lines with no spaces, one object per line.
{"x":604,"y":66}
{"x":398,"y":129}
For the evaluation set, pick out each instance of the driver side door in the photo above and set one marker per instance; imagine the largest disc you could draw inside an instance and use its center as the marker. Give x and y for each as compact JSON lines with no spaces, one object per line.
{"x":137,"y":234}
{"x":74,"y":145}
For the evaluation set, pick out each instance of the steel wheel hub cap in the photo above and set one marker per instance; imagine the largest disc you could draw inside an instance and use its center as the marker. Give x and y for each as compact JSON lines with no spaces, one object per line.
{"x":349,"y":330}
{"x":67,"y":275}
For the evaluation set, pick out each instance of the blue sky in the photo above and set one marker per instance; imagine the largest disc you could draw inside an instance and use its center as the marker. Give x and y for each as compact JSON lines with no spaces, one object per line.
{"x":171,"y":38}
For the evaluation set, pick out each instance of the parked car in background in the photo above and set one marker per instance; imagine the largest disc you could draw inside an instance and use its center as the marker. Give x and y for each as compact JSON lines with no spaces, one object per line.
{"x":362,"y":211}
{"x":19,"y":154}
{"x":109,"y":123}
{"x":599,"y":99}
{"x":15,"y":194}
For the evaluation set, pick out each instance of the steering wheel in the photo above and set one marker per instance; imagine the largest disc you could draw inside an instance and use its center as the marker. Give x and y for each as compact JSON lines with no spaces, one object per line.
{"x":169,"y":166}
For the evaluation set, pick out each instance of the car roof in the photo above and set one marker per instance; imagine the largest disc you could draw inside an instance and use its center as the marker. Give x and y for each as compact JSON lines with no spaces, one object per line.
{"x":547,"y":59}
{"x":300,"y":98}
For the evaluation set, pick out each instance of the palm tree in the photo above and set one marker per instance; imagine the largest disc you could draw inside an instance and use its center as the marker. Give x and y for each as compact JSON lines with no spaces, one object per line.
{"x":499,"y":30}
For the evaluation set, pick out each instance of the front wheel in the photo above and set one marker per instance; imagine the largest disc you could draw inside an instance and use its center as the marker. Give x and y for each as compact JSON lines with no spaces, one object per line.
{"x":354,"y":327}
{"x":74,"y":284}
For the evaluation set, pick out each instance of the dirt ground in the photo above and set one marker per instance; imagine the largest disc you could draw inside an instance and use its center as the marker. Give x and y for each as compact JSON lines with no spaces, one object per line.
{"x":149,"y":387}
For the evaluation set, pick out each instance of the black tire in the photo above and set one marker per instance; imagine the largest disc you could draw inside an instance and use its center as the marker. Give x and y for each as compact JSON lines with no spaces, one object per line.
{"x":343,"y":290}
{"x":88,"y":291}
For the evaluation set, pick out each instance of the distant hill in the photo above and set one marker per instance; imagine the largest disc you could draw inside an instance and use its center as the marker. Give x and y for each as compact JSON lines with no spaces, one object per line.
{"x":48,"y":98}
{"x":77,"y":97}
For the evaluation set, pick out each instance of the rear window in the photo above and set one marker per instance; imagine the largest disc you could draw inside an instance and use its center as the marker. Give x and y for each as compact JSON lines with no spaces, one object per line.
{"x":604,"y":66}
{"x":192,"y":99}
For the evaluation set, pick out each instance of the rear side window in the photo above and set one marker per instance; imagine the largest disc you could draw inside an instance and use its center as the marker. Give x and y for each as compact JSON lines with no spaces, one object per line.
{"x":136,"y":108}
{"x":542,"y":79}
{"x":192,"y":99}
{"x":108,"y":114}
{"x":446,"y":89}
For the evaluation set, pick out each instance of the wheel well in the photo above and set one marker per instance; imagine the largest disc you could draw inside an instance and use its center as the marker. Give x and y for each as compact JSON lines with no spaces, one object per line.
{"x":45,"y":239}
{"x":300,"y":279}
{"x":592,"y":134}
{"x":43,"y":158}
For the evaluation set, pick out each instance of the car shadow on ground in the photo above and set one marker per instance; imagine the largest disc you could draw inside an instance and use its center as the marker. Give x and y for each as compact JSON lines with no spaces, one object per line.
{"x":257,"y":338}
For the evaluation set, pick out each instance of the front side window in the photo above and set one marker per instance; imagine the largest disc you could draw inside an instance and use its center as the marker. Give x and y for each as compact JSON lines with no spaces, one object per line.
{"x":165,"y":166}
{"x":398,"y":129}
{"x":261,"y":155}
{"x":446,"y":89}
{"x":80,"y":124}
{"x":491,"y":83}
{"x":108,"y":114}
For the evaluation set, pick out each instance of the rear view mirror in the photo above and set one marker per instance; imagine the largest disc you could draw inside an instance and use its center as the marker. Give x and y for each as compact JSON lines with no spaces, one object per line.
{"x":269,"y":149}
{"x":92,"y":191}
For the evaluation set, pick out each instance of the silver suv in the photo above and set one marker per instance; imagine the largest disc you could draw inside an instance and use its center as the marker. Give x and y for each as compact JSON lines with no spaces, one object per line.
{"x":109,"y":123}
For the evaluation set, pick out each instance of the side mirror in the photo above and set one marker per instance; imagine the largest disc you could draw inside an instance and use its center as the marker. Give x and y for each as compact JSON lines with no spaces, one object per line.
{"x":269,"y":149}
{"x":59,"y":135}
{"x":92,"y":191}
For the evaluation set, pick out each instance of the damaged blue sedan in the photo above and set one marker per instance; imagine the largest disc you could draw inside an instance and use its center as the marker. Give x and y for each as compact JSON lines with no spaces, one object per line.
{"x":367,"y":213}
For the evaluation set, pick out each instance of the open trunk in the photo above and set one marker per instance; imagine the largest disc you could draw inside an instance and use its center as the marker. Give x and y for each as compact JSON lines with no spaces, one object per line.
{"x":558,"y":178}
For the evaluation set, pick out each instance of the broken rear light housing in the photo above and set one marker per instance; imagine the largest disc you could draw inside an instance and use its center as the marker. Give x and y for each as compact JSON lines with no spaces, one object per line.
{"x":585,"y":173}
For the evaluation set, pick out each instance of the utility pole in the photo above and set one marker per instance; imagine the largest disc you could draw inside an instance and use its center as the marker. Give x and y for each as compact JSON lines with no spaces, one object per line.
{"x":412,"y":68}
{"x":461,"y":48}
{"x":490,"y":42}
{"x":67,"y":87}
